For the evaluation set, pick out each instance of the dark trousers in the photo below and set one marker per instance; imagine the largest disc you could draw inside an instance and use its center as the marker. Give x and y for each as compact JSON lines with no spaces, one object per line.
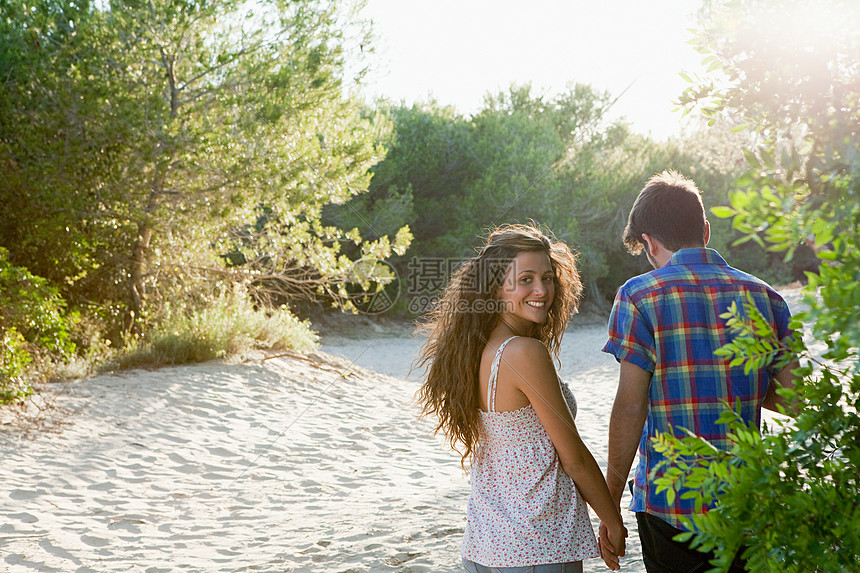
{"x":662,"y":554}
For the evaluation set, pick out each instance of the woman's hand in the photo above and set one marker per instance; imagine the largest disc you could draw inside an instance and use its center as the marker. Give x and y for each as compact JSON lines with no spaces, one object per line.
{"x":611,"y":544}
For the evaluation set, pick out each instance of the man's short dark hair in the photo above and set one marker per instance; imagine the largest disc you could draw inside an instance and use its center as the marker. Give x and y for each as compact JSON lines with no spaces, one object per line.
{"x":669,"y":208}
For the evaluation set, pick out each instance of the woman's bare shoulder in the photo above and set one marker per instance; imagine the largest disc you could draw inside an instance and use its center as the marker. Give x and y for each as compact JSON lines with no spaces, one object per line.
{"x":526,"y":346}
{"x":527,"y":352}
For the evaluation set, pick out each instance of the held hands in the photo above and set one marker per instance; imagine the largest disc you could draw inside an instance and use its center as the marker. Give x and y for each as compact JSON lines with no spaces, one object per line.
{"x":611,"y":544}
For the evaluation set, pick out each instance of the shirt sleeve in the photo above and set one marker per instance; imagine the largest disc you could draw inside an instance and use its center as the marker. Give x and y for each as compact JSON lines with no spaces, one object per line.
{"x":781,"y":319}
{"x":631,"y":339}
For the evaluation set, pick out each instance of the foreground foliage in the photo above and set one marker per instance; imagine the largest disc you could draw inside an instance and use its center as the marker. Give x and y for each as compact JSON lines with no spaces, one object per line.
{"x":790,"y":498}
{"x":804,"y":470}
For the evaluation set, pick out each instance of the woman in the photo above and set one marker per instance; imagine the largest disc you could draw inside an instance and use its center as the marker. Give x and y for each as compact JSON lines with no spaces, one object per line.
{"x":492,"y":384}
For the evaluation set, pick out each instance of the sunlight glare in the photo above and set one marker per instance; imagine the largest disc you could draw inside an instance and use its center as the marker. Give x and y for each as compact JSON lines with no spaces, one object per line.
{"x":808,"y":27}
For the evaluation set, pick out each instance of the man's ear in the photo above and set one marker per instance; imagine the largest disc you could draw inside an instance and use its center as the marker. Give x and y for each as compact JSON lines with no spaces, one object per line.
{"x":649,"y":244}
{"x":707,"y":232}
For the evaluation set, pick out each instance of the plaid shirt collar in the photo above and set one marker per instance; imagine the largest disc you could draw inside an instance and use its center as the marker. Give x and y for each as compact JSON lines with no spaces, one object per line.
{"x":696,"y":256}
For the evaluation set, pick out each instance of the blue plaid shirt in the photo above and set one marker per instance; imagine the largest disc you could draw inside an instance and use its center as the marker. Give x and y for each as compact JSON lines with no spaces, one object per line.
{"x":668,"y":322}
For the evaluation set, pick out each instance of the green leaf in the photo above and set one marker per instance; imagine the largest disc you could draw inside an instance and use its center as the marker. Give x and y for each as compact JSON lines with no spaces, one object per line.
{"x":683,"y":537}
{"x":723,"y":212}
{"x":752,"y":160}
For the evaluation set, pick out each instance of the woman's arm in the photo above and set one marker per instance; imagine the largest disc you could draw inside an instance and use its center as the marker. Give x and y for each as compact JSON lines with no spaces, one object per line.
{"x":527,"y":365}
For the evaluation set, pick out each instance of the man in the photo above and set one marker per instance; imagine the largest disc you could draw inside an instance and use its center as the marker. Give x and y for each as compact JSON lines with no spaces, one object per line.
{"x":664,"y":328}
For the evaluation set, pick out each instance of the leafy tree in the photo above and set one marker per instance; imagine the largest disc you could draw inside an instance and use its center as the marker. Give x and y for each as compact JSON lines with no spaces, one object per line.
{"x":558,"y":161}
{"x":53,"y":145}
{"x":145,"y":140}
{"x":791,"y":497}
{"x":714,"y":157}
{"x":524,"y":156}
{"x":428,"y":161}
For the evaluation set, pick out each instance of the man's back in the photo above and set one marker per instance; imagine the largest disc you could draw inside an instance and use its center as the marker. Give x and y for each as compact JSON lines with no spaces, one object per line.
{"x":664,"y":329}
{"x":667,"y":322}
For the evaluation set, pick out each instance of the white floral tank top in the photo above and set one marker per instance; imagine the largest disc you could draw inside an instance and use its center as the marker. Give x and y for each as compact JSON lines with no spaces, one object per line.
{"x":523,"y":509}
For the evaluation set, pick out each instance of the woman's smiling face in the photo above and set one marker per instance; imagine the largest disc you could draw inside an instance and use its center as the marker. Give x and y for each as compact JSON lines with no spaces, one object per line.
{"x":527,"y":291}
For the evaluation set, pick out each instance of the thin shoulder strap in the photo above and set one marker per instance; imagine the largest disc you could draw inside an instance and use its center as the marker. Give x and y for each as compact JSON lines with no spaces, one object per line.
{"x":494,"y":375}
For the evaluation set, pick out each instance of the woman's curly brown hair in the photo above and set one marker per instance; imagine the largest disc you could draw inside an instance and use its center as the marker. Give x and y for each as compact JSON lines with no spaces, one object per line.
{"x":460,"y":325}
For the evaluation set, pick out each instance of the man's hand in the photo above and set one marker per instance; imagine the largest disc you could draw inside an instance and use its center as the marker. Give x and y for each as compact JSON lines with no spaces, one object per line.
{"x":611,"y":544}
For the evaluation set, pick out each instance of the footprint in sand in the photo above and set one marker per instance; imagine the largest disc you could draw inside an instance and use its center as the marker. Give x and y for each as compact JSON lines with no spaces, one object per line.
{"x":105,"y":486}
{"x":223,"y":452}
{"x":126,"y":524}
{"x":94,"y":541}
{"x":24,"y":494}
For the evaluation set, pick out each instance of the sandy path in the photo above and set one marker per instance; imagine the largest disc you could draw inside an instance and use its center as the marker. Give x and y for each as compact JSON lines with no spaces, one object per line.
{"x":265,"y":466}
{"x":217,"y":467}
{"x":275,"y":466}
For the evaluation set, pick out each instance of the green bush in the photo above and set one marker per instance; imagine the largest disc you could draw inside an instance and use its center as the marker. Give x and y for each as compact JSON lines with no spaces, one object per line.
{"x":229,"y":325}
{"x":14,"y":358}
{"x":33,"y":323}
{"x":35,"y":308}
{"x":802,"y":471}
